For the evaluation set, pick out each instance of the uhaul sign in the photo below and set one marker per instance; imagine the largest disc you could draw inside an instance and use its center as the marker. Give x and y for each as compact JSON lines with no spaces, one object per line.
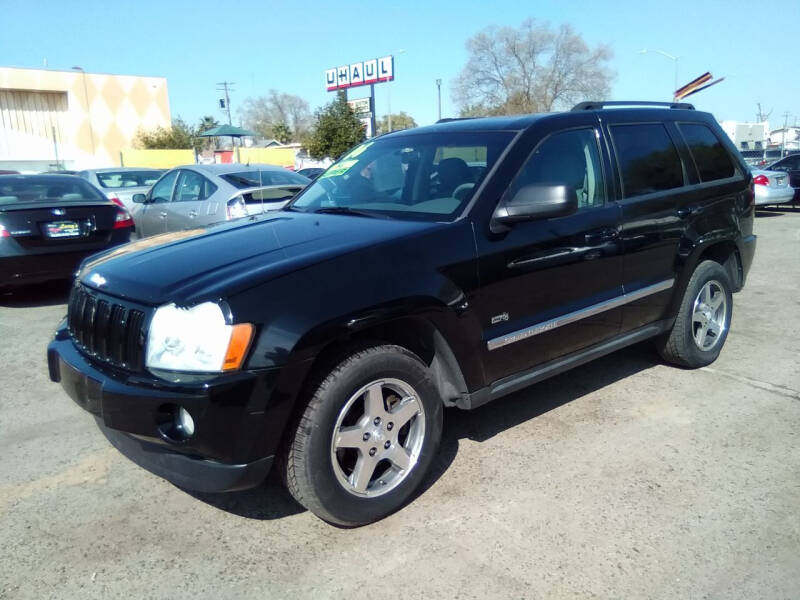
{"x":361,"y":73}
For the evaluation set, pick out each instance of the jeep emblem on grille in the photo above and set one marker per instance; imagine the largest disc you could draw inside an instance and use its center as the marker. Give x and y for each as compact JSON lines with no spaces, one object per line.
{"x":97,"y":279}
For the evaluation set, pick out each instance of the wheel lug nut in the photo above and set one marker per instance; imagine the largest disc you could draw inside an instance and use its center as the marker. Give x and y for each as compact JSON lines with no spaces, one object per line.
{"x":389,"y":425}
{"x":387,"y":444}
{"x":366,"y":436}
{"x":372,"y":451}
{"x":377,"y":421}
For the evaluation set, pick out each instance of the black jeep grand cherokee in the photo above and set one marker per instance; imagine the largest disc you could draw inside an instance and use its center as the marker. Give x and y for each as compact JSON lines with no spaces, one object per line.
{"x":440,"y":266}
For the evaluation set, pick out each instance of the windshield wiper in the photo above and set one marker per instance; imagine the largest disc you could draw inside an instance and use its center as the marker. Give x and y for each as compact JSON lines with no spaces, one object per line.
{"x":346,"y":210}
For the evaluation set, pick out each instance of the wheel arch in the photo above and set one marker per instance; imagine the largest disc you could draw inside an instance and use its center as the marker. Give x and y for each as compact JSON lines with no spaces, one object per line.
{"x":721,"y":250}
{"x":415,"y":333}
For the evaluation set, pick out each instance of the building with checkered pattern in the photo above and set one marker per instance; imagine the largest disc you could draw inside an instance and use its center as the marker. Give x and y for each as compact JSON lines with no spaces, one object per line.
{"x":53,"y":119}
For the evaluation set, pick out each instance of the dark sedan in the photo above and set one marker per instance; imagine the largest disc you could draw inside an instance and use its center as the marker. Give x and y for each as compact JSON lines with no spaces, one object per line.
{"x":791,"y":166}
{"x":50,"y":223}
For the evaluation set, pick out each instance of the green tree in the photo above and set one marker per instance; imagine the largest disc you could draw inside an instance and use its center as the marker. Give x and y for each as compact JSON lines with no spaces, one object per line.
{"x":282,"y":133}
{"x":178,"y":136}
{"x":401,"y":120}
{"x":336,"y":130}
{"x":207,"y":122}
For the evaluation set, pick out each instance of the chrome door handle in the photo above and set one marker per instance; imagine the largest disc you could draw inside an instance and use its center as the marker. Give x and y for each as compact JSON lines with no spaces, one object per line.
{"x":192,"y":214}
{"x":162,"y":214}
{"x":688,"y":211}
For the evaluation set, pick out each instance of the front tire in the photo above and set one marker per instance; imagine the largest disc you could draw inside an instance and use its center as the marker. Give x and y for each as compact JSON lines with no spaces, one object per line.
{"x":701,"y":327}
{"x":366,"y":438}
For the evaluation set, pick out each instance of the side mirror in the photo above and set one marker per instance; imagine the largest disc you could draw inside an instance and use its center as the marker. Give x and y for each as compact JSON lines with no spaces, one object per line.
{"x":538,"y":202}
{"x":139,"y":198}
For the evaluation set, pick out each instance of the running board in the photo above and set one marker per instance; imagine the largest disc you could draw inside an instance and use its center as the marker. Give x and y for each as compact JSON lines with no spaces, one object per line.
{"x":513,"y":383}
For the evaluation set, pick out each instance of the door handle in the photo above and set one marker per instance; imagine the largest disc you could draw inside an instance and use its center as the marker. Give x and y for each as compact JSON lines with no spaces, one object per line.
{"x":688,"y":211}
{"x":192,"y":214}
{"x":162,"y":214}
{"x":599,"y":236}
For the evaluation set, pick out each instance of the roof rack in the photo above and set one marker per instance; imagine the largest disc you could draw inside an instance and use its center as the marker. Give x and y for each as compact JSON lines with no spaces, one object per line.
{"x":597,"y":105}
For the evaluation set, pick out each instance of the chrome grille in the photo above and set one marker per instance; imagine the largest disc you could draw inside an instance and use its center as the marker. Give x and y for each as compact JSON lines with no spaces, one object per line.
{"x":106,"y":329}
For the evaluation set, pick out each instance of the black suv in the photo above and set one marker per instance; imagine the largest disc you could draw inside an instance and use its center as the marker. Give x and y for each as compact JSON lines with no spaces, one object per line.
{"x":441,"y":266}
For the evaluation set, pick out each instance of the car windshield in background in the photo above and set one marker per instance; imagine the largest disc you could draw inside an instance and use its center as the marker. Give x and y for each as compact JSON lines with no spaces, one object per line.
{"x":123,"y":179}
{"x":248,"y":179}
{"x":417,"y":176}
{"x":46,"y":188}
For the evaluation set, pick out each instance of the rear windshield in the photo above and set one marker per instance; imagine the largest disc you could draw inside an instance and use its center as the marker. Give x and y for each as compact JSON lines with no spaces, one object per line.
{"x":123,"y":179}
{"x":247,"y":179}
{"x":46,"y":188}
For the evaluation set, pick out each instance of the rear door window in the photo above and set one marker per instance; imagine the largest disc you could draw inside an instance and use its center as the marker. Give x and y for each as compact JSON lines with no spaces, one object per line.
{"x":648,"y":159}
{"x":712,"y":160}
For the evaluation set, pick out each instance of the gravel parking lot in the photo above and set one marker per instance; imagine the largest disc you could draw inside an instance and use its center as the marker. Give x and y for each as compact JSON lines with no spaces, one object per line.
{"x":626,"y":478}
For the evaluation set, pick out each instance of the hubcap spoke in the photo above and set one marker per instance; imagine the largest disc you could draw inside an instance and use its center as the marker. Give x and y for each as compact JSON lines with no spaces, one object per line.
{"x":374,"y":405}
{"x":406,"y":410}
{"x":399,"y":457}
{"x":716,"y":301}
{"x":362,"y":473}
{"x":707,"y":294}
{"x":700,"y":337}
{"x":349,"y":437}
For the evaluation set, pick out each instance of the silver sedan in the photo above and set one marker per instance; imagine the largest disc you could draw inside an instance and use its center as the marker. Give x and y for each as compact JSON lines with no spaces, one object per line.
{"x":772,"y":187}
{"x":199,"y":195}
{"x":122,"y":182}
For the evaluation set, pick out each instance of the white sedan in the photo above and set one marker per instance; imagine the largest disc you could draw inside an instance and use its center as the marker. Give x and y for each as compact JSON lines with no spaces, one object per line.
{"x":772,"y":187}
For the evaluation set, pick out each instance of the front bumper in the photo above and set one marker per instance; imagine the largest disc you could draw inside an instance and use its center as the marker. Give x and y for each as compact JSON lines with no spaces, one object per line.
{"x":239,"y":418}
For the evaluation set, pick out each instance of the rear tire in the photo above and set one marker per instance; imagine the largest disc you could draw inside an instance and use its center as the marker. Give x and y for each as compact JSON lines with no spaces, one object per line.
{"x":701,"y":327}
{"x":366,"y":438}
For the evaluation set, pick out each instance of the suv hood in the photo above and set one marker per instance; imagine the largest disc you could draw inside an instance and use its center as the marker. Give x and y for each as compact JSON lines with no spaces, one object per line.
{"x":209,"y":263}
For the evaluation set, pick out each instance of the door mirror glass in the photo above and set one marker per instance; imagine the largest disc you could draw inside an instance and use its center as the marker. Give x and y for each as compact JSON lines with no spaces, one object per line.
{"x":139,"y":198}
{"x":538,"y":201}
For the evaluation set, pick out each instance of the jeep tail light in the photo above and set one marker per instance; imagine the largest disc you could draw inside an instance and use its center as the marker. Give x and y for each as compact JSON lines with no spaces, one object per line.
{"x":4,"y":232}
{"x":123,"y":219}
{"x":236,"y":208}
{"x":761,"y":180}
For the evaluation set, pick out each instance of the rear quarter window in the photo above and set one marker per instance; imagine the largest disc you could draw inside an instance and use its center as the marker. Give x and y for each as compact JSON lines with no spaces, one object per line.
{"x":648,"y":160}
{"x":712,"y":160}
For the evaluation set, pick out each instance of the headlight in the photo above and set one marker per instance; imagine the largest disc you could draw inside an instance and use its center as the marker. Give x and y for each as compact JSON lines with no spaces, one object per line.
{"x":196,"y":339}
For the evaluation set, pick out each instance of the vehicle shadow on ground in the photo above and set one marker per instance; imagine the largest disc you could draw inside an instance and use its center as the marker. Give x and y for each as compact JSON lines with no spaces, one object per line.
{"x":32,"y":296}
{"x":766,"y":212}
{"x":271,"y":500}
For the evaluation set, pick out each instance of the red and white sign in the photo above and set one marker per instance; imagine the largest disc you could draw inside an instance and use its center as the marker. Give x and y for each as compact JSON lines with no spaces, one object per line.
{"x":361,"y":73}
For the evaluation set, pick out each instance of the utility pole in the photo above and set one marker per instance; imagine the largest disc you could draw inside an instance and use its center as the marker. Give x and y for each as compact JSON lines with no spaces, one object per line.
{"x":761,"y":115}
{"x":227,"y":86}
{"x":439,"y":89}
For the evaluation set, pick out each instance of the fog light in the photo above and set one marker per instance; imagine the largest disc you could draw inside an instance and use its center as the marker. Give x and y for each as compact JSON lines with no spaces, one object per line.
{"x":184,"y":422}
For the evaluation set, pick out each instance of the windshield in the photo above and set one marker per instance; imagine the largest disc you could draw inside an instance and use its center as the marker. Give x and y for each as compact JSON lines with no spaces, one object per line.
{"x":123,"y":179}
{"x":417,"y":177}
{"x":46,"y":188}
{"x":248,"y":179}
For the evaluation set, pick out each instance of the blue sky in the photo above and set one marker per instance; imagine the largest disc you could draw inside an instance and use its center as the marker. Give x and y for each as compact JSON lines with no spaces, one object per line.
{"x":288,"y":46}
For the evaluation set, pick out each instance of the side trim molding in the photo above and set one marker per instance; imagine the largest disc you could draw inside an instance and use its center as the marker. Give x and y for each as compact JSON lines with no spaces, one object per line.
{"x":528,"y":332}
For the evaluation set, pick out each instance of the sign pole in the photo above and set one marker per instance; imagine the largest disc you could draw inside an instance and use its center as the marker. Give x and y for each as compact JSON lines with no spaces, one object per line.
{"x":372,"y":110}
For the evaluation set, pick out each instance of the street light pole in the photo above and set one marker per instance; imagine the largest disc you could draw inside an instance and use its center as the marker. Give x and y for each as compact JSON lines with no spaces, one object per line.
{"x":674,"y":59}
{"x":389,"y":96}
{"x":439,"y":93}
{"x":86,"y":99}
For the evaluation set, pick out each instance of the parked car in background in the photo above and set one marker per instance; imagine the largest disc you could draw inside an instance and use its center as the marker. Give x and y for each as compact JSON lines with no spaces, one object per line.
{"x":791,"y":166}
{"x":50,"y":223}
{"x":198,"y":195}
{"x":6,"y":172}
{"x":771,"y":187}
{"x":311,"y":172}
{"x":122,"y":182}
